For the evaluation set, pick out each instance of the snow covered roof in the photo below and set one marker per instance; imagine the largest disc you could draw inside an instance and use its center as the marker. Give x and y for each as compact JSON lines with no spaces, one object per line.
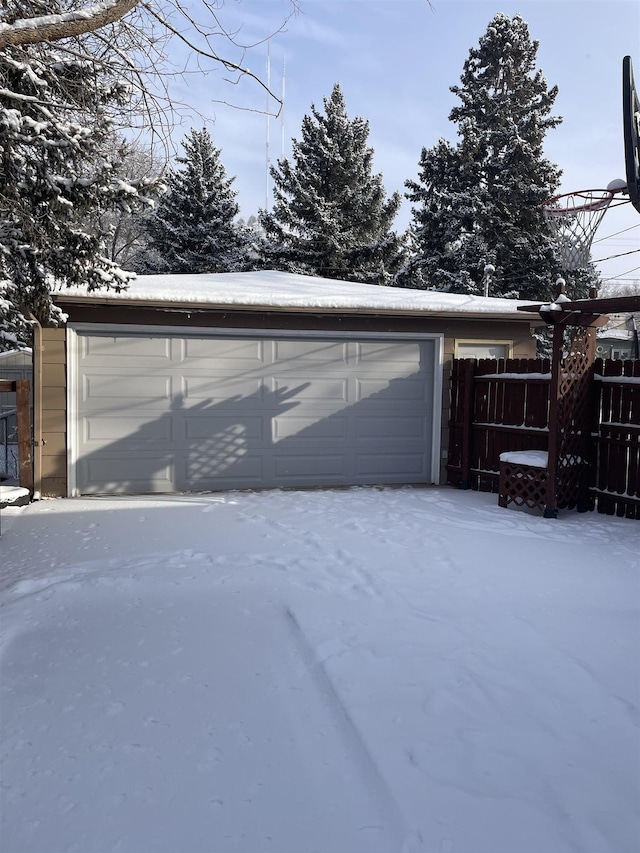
{"x":14,"y":352}
{"x":269,"y":290}
{"x":615,"y":334}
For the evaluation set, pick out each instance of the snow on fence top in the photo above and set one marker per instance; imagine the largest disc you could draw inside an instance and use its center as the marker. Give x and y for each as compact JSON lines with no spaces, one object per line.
{"x":271,"y":289}
{"x":618,"y":380}
{"x":505,"y":375}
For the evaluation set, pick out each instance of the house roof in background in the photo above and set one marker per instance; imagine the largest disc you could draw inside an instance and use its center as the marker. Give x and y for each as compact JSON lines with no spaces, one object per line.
{"x":615,"y":334}
{"x":14,"y":352}
{"x":280,"y":291}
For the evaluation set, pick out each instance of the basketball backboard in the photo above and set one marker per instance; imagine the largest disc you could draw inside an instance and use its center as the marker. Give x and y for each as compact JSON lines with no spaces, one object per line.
{"x":631,"y":126}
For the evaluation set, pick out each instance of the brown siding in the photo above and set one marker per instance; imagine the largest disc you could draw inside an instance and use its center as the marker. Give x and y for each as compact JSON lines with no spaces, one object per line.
{"x":54,"y":413}
{"x":452,"y":329}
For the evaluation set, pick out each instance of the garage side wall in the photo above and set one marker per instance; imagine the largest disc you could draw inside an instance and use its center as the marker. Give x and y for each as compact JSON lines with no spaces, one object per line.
{"x":54,"y":413}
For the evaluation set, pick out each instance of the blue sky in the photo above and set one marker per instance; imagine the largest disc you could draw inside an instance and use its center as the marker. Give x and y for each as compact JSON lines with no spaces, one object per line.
{"x":395,"y":61}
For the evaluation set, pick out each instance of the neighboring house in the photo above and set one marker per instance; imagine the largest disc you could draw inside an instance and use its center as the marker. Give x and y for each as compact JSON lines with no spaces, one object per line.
{"x":254,"y":380}
{"x":619,"y":338}
{"x":13,"y":365}
{"x":16,"y":364}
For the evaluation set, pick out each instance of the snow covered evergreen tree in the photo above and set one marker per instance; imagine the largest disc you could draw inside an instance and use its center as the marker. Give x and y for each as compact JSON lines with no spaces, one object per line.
{"x":193,"y":228}
{"x":478,"y":203}
{"x":56,"y":104}
{"x":331,"y":216}
{"x":14,"y":329}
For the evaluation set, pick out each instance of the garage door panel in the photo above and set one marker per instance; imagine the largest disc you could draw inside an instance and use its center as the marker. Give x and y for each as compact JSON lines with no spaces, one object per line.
{"x":315,"y":390}
{"x":208,"y":427}
{"x":304,"y":468}
{"x":141,"y":388}
{"x":382,"y":465}
{"x":217,"y":389}
{"x":147,"y":349}
{"x":210,"y":472}
{"x":297,"y":355}
{"x":127,"y":474}
{"x":127,"y":430}
{"x":234,"y":411}
{"x":392,"y":429}
{"x":218,"y":450}
{"x":243,"y":353}
{"x":391,"y":391}
{"x":309,"y":428}
{"x":402,"y":354}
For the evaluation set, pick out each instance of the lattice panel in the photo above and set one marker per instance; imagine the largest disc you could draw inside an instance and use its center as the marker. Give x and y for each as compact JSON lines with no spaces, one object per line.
{"x":573,"y":402}
{"x":522,"y":485}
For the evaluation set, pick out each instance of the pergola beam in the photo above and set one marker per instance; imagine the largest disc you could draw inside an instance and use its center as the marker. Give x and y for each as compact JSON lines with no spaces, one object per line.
{"x":605,"y":305}
{"x":573,"y":318}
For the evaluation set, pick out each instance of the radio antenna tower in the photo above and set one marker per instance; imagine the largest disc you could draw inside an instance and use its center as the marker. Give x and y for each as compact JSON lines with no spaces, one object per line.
{"x":268,"y":116}
{"x":284,"y":72}
{"x":267,"y":106}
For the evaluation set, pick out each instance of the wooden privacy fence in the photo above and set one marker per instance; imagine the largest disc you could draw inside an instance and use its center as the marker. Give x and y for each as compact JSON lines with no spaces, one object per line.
{"x":503,"y":405}
{"x":20,"y":387}
{"x":615,"y":432}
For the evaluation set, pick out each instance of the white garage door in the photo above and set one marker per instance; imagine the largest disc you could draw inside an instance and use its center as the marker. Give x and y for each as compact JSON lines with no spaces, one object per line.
{"x":196,"y":412}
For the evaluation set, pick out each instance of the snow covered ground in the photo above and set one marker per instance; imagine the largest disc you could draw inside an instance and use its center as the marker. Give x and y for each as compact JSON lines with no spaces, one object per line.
{"x":340,"y":671}
{"x":13,"y":495}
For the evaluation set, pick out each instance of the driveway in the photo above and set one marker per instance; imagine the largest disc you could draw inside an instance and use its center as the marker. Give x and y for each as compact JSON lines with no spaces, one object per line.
{"x":340,"y":671}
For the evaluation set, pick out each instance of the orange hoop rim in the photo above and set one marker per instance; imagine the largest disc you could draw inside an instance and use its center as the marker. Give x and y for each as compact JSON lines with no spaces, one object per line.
{"x":580,"y":201}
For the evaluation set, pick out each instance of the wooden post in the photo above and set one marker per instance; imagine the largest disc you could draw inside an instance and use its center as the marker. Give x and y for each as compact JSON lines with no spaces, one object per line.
{"x":551,"y":510}
{"x":25,"y":458}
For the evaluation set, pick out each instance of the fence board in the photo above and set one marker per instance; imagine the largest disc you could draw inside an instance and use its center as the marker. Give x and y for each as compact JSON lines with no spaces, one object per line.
{"x":617,"y":479}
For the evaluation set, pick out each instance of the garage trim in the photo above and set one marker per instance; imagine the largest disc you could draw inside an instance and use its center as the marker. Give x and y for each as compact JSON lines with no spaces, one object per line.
{"x":76,"y":329}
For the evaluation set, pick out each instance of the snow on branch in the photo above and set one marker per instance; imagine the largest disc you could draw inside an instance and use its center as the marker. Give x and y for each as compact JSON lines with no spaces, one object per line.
{"x":67,"y":25}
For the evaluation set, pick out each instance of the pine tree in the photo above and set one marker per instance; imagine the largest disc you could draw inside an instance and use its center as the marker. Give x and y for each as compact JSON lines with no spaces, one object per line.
{"x":193,"y":228}
{"x":331,"y":216}
{"x":14,"y":329}
{"x":478,"y":203}
{"x":56,"y":109}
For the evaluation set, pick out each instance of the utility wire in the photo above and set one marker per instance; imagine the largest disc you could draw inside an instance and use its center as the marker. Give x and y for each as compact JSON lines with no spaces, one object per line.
{"x":620,"y":275}
{"x":624,"y":231}
{"x":621,"y":255}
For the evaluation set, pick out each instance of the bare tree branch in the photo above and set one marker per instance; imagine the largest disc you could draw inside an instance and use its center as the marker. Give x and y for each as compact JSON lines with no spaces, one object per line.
{"x":140,"y":29}
{"x":230,"y":66}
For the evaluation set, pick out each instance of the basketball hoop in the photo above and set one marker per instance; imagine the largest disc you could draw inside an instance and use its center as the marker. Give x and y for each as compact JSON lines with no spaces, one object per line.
{"x":573,"y":219}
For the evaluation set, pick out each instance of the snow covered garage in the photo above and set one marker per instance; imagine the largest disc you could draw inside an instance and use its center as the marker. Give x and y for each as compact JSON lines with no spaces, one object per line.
{"x":256,"y":380}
